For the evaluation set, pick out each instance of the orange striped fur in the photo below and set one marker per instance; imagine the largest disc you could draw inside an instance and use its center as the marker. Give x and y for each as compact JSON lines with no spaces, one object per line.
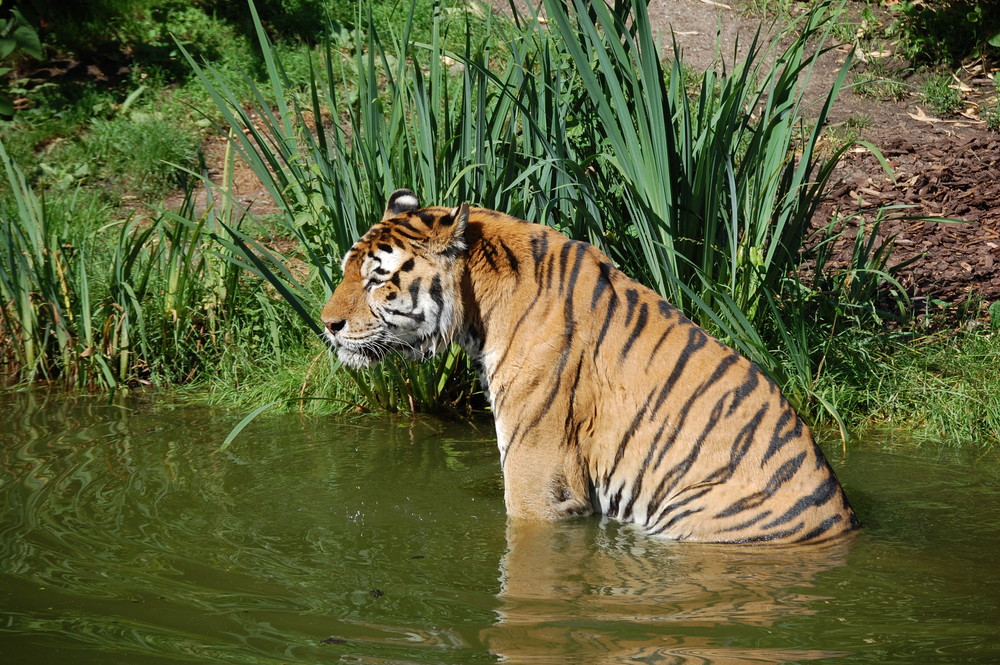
{"x":606,"y":398}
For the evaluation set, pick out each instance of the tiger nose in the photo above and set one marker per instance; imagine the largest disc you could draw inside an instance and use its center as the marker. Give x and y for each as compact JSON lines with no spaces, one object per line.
{"x":336,"y":325}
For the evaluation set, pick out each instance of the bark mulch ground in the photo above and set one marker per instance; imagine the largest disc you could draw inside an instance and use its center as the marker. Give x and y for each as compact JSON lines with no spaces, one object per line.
{"x":935,"y":176}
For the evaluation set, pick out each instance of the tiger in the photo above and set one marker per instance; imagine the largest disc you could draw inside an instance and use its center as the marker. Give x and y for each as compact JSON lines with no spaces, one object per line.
{"x":606,"y":399}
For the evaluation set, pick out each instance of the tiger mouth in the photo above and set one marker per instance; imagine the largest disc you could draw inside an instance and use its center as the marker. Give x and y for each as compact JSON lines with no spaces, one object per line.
{"x":369,"y":352}
{"x":355,"y":355}
{"x":360,"y":357}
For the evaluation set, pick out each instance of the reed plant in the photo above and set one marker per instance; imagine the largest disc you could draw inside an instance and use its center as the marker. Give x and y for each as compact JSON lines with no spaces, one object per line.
{"x":39,"y":307}
{"x":392,"y":114}
{"x":705,"y":192}
{"x":145,"y":300}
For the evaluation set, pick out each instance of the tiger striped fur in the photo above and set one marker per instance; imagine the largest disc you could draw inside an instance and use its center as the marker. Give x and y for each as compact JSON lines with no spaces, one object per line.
{"x":606,"y":398}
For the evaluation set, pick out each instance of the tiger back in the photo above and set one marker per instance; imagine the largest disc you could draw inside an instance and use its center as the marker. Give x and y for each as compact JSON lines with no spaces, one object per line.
{"x":606,"y":398}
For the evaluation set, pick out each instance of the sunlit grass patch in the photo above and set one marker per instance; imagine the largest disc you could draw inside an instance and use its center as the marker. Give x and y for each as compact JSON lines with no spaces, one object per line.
{"x":940,"y":388}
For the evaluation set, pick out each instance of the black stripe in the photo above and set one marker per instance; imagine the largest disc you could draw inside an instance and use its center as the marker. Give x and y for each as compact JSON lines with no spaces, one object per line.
{"x":609,"y":314}
{"x":409,"y":314}
{"x":640,"y":325}
{"x":693,"y":494}
{"x":823,"y":527}
{"x":627,"y":437}
{"x":632,"y":297}
{"x":539,"y":249}
{"x":414,"y":290}
{"x":743,"y":505}
{"x":517,"y":326}
{"x":820,"y":495}
{"x":570,"y":412}
{"x":641,"y":475}
{"x":696,"y":340}
{"x":784,"y":473}
{"x":613,"y":503}
{"x":574,"y":275}
{"x":747,"y":436}
{"x":744,"y":390}
{"x":428,"y":218}
{"x":659,"y":343}
{"x":563,"y":261}
{"x":742,"y":443}
{"x":602,"y":283}
{"x":679,"y":470}
{"x":511,"y":258}
{"x":763,"y":538}
{"x":401,"y":223}
{"x":778,"y":440}
{"x":550,"y":399}
{"x":673,"y":520}
{"x":437,"y":293}
{"x":407,"y":265}
{"x":753,"y":520}
{"x":489,"y":252}
{"x":411,"y":234}
{"x":549,"y":270}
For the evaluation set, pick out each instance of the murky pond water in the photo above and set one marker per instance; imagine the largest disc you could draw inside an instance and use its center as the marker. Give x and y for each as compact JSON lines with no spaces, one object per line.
{"x":125,"y":538}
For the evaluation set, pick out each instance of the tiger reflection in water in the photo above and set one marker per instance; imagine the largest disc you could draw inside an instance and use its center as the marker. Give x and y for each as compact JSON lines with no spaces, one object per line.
{"x":571,"y":592}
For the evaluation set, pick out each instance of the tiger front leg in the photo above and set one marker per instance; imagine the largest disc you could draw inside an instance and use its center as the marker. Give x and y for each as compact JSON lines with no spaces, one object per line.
{"x":540,"y":484}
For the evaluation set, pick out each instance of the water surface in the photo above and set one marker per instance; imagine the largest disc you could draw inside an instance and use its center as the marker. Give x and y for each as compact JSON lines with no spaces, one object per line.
{"x":126,"y":538}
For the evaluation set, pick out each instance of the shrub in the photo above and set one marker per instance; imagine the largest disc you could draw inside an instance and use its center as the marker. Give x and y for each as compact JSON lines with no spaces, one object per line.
{"x":948,"y":31}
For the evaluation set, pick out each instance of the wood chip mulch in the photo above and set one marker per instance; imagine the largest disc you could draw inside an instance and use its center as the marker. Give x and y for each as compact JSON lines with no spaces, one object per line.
{"x":957,"y":178}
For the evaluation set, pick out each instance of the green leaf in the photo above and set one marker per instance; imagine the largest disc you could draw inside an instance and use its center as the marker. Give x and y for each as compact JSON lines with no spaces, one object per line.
{"x":246,"y":421}
{"x":27,"y":40}
{"x":995,"y":315}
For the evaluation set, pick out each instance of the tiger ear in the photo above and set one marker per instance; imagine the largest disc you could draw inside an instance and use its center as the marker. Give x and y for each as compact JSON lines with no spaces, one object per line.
{"x":448,"y":233}
{"x":400,"y":201}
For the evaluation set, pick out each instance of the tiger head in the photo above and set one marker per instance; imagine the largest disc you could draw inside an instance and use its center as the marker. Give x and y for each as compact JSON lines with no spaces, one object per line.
{"x":400,"y":285}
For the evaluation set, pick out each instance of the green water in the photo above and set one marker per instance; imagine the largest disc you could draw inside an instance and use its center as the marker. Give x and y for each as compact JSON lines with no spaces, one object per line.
{"x":124,"y":538}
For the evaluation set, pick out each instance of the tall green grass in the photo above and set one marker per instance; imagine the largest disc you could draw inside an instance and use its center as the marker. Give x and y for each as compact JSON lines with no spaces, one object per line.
{"x":720,"y":185}
{"x":145,"y":300}
{"x":408,"y":121}
{"x":938,"y":388}
{"x":39,"y":308}
{"x":573,"y":122}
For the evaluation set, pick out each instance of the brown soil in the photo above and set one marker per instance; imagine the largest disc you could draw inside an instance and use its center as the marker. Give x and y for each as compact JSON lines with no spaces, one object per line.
{"x":952,"y":176}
